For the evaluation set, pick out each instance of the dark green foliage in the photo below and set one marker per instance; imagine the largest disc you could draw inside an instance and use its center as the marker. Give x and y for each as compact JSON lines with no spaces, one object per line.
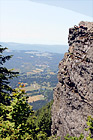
{"x":5,"y":89}
{"x":38,"y":104}
{"x":44,"y":121}
{"x":5,"y":75}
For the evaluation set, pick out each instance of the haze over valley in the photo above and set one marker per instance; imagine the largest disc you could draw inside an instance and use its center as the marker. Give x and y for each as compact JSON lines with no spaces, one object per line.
{"x":37,"y":70}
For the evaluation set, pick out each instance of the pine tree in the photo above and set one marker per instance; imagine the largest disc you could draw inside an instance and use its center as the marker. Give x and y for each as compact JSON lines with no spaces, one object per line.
{"x":44,"y":121}
{"x":5,"y":75}
{"x":16,"y":115}
{"x":5,"y":89}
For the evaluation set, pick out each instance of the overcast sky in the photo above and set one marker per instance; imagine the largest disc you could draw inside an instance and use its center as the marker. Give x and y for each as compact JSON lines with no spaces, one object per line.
{"x":32,"y":22}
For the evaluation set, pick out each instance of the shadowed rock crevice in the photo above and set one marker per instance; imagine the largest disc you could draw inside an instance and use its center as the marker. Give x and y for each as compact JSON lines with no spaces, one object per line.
{"x":73,"y":95}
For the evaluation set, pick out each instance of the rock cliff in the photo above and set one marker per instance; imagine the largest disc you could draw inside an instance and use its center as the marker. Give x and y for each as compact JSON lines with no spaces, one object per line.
{"x":73,"y":95}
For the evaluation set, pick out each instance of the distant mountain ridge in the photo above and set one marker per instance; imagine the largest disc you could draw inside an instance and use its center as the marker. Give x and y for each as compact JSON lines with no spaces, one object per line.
{"x":39,"y":47}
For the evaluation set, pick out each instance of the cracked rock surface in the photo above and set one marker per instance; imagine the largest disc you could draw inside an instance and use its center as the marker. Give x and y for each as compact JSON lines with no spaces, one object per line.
{"x":73,"y":95}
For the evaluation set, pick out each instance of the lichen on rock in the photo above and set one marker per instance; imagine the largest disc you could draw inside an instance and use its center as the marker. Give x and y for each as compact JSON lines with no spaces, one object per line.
{"x":73,"y":95}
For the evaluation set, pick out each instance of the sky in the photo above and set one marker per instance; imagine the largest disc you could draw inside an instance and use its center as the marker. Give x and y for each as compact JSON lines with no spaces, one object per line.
{"x":41,"y":21}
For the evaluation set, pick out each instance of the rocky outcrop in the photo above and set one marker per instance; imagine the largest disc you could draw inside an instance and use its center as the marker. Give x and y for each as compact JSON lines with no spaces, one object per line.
{"x":73,"y":95}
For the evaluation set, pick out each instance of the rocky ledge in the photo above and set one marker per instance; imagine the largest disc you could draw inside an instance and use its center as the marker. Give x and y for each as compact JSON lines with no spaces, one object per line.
{"x":73,"y":95}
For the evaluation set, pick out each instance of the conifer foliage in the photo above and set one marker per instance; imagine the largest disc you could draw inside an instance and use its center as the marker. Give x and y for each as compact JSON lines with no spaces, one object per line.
{"x":16,"y":115}
{"x":5,"y":75}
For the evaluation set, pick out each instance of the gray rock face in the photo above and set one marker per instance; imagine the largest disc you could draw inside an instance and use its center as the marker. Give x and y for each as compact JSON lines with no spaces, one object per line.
{"x":73,"y":95}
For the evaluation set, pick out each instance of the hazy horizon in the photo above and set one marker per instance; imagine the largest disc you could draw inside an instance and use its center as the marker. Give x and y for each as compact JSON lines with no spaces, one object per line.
{"x":39,"y":47}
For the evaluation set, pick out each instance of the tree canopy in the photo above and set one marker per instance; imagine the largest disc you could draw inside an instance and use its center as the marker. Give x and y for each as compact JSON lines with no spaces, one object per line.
{"x":5,"y":75}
